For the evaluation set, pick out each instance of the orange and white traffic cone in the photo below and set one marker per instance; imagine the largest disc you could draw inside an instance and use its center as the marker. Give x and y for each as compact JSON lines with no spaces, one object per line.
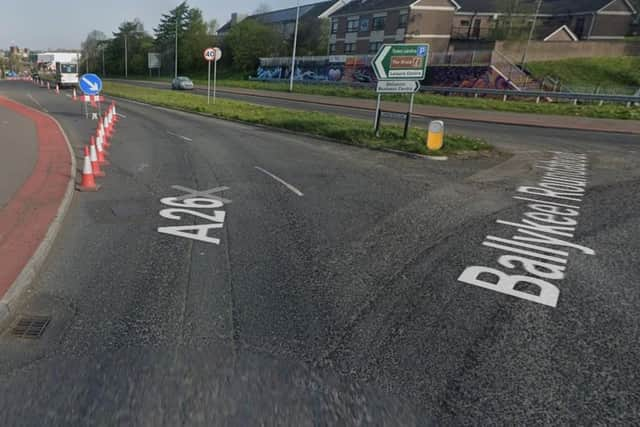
{"x":75,"y":96}
{"x":100,"y":131}
{"x":48,"y":86}
{"x":95,"y":164}
{"x":108,"y":126}
{"x":103,"y":137}
{"x":88,"y":181}
{"x":112,"y":123}
{"x":57,"y":89}
{"x":100,"y":150}
{"x":115,"y":114}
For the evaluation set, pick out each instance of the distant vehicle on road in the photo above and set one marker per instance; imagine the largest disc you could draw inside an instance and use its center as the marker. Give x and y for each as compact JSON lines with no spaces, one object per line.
{"x":59,"y":68}
{"x":182,"y":83}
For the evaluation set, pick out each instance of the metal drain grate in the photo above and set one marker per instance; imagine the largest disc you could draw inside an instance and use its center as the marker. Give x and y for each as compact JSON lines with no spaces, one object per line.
{"x":31,"y":327}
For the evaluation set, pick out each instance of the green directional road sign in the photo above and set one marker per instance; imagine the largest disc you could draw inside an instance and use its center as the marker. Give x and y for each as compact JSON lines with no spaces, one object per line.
{"x":401,"y":62}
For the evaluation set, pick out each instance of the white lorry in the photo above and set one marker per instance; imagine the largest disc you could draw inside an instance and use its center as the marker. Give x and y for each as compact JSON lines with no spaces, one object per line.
{"x":59,"y":68}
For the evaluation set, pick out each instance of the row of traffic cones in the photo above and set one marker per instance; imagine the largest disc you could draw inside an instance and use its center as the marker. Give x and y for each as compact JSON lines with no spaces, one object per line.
{"x":95,"y":154}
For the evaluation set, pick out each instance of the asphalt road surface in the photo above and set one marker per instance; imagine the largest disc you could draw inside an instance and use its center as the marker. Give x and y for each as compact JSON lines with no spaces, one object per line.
{"x":19,"y":149}
{"x":331,"y":293}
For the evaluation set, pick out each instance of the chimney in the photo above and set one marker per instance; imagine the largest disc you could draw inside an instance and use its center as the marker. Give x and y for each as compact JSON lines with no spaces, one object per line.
{"x":234,"y":18}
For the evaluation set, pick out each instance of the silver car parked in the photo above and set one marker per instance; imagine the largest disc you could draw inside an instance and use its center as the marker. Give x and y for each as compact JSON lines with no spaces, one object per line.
{"x":182,"y":83}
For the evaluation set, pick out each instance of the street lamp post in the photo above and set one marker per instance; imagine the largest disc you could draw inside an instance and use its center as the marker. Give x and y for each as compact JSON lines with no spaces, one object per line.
{"x":533,"y":27}
{"x":176,"y":58}
{"x":295,"y":43}
{"x":126,"y":71}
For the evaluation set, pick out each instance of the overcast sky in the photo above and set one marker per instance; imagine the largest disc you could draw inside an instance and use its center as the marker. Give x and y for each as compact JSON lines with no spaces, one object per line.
{"x":51,"y":24}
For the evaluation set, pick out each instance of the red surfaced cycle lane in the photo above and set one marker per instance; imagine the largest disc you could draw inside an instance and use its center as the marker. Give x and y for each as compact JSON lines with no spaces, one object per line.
{"x":25,"y":219}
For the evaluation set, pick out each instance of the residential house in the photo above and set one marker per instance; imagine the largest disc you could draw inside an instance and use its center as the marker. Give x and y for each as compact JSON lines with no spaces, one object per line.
{"x":584,"y":19}
{"x":284,"y":20}
{"x":362,"y":26}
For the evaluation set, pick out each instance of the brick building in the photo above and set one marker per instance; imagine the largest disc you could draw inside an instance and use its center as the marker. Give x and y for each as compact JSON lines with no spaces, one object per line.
{"x":362,"y":26}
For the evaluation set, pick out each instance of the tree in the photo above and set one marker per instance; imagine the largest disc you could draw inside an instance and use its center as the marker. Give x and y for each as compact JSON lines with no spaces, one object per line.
{"x":195,"y":41}
{"x":212,"y":27}
{"x":262,"y":8}
{"x":165,"y":34}
{"x":313,"y":37}
{"x":91,"y":54}
{"x":138,"y":44}
{"x":249,"y":40}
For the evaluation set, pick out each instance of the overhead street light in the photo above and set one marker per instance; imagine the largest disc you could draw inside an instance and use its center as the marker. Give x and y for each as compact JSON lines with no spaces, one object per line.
{"x":295,"y":43}
{"x":533,"y":27}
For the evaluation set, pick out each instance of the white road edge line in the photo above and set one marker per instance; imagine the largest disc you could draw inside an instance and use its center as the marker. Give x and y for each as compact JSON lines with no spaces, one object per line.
{"x":38,"y":103}
{"x":180,"y":136}
{"x":121,"y":115}
{"x":281,"y":181}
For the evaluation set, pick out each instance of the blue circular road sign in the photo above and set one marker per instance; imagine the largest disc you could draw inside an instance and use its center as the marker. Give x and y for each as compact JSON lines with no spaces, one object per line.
{"x":90,"y":84}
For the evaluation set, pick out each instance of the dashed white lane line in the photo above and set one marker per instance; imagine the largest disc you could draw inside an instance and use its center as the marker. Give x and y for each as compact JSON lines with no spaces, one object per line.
{"x":281,"y":181}
{"x":180,"y":136}
{"x":37,"y":102}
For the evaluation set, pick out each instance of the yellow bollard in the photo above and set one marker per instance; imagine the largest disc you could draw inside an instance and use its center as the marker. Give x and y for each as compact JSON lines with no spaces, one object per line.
{"x":435,"y":135}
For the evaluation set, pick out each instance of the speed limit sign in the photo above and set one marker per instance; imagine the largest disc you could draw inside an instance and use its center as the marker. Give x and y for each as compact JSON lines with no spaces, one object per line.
{"x":212,"y":54}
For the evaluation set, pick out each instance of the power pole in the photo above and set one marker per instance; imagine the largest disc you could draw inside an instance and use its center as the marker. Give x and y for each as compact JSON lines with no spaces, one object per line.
{"x":295,"y":43}
{"x":176,"y":59}
{"x":533,"y":27}
{"x":126,"y":71}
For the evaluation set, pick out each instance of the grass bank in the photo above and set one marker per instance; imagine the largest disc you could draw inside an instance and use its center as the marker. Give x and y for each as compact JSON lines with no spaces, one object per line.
{"x":606,"y":111}
{"x":344,"y":129}
{"x":610,"y":75}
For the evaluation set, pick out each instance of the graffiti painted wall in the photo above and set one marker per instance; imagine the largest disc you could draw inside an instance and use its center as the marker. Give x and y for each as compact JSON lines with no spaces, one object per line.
{"x":467,"y":77}
{"x":357,"y":69}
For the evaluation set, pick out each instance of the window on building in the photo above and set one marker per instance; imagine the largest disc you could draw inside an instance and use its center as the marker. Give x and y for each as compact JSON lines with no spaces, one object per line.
{"x":374,"y":47}
{"x":352,"y":24}
{"x":349,"y":47}
{"x":364,"y":24}
{"x":578,"y":30}
{"x":465,"y":23}
{"x":334,"y":26}
{"x":378,"y":23}
{"x":332,"y":48}
{"x":404,"y":18}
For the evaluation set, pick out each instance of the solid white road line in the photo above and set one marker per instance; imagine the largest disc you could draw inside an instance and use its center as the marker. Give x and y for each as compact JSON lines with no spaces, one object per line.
{"x":180,"y":136}
{"x":281,"y":181}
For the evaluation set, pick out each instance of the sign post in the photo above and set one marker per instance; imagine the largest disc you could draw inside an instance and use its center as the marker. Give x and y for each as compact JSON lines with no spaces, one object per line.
{"x":153,"y":61}
{"x":399,"y":69}
{"x":212,"y":54}
{"x":91,"y":85}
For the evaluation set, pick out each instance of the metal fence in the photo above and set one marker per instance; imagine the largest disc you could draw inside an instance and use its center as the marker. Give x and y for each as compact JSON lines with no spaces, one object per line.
{"x":504,"y":94}
{"x":537,"y":95}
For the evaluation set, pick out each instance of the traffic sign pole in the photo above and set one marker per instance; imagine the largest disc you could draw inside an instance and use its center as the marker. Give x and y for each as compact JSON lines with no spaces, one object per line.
{"x":215,"y":77}
{"x":208,"y":81}
{"x":212,"y":54}
{"x":407,"y":122}
{"x":399,"y":68}
{"x":376,"y":121}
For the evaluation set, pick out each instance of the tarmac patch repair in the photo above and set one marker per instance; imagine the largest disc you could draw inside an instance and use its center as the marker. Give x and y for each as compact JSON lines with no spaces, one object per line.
{"x":541,"y":246}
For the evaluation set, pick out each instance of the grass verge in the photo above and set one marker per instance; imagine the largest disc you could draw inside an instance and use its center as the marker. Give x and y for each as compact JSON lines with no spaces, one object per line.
{"x":344,"y":129}
{"x":610,"y":75}
{"x":605,"y":111}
